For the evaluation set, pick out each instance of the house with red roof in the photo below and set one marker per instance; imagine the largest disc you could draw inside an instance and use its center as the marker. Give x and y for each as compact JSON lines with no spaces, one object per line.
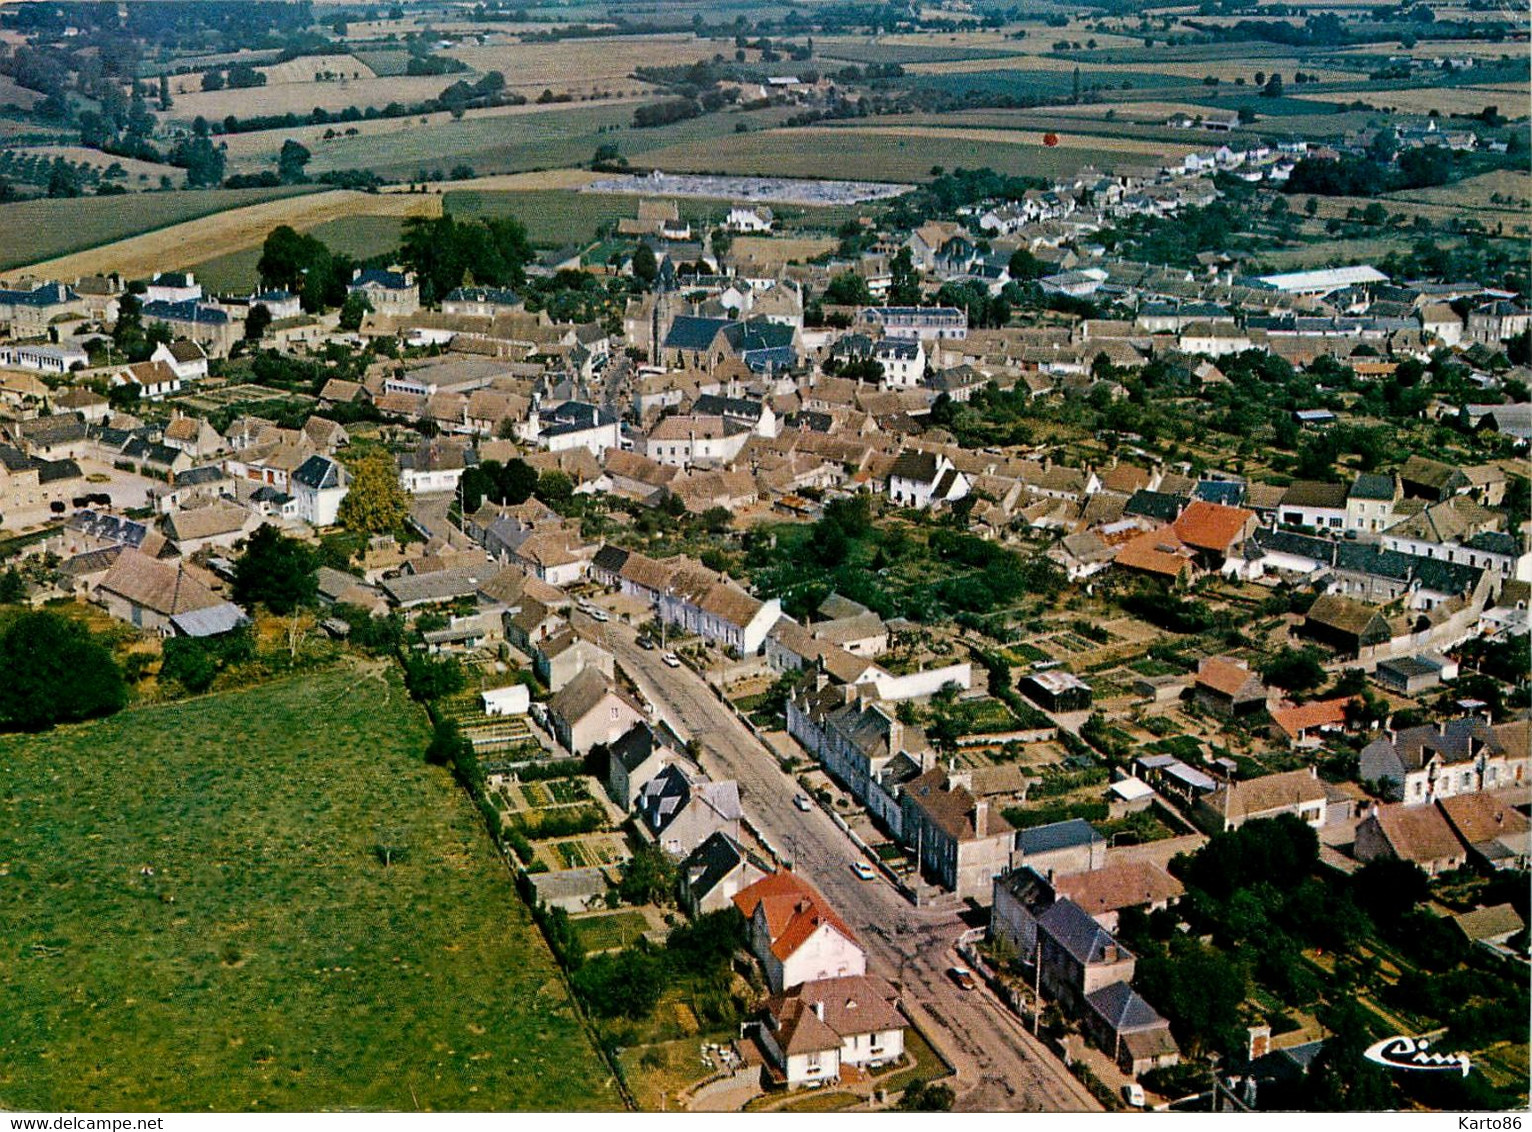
{"x":795,"y":933}
{"x":1213,"y":530}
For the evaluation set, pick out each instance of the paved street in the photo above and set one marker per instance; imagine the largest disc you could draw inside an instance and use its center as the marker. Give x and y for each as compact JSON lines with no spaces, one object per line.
{"x":1000,"y":1066}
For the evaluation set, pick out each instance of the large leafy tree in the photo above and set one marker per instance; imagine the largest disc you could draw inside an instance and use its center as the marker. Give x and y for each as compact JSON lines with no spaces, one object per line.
{"x":375,"y":502}
{"x":444,"y":252}
{"x":55,"y":672}
{"x":278,"y":572}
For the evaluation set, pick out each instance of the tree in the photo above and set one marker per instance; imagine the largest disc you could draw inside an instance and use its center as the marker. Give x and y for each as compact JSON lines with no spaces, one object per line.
{"x":1294,"y":670}
{"x":13,"y":589}
{"x":375,"y":502}
{"x":165,"y":100}
{"x":648,"y":877}
{"x":256,"y":322}
{"x":927,"y":1096}
{"x":1025,"y":265}
{"x":55,"y":672}
{"x":278,"y":572}
{"x":290,"y":162}
{"x":904,"y":280}
{"x":555,"y":488}
{"x":646,"y":268}
{"x":848,"y":290}
{"x":354,"y":310}
{"x":1200,"y":990}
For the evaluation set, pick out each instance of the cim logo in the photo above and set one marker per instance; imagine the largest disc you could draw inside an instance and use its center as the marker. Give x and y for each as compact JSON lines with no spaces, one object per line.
{"x":1400,"y":1052}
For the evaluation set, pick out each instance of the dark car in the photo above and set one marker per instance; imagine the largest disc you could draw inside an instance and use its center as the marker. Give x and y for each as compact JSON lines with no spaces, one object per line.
{"x":645,"y":643}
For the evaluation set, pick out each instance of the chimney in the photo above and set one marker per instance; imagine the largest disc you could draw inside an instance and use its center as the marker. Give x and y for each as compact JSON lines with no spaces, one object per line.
{"x":980,"y":816}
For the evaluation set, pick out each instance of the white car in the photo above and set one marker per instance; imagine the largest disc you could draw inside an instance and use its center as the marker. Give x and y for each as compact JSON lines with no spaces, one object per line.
{"x":596,"y":614}
{"x":672,"y":660}
{"x":802,"y":803}
{"x":863,"y":870}
{"x":1133,"y":1094}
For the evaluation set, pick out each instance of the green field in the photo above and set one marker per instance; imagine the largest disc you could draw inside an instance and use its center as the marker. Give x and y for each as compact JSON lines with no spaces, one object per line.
{"x":555,"y":217}
{"x":515,"y":143}
{"x":867,"y":156}
{"x":610,"y":931}
{"x":360,"y":236}
{"x":273,"y":961}
{"x":35,"y":230}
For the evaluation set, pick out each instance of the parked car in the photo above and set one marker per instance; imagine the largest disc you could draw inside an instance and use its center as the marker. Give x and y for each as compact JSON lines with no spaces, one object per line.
{"x":863,"y":870}
{"x":963,"y":977}
{"x":802,"y":803}
{"x":1133,"y":1094}
{"x":597,"y":614}
{"x":646,"y":644}
{"x":672,"y":660}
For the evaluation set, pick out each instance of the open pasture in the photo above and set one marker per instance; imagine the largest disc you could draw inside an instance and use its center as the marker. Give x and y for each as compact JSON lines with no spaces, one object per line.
{"x":266,"y":900}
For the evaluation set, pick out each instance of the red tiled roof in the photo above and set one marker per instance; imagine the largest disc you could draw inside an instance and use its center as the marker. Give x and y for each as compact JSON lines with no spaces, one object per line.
{"x":1211,"y":526}
{"x":794,"y":910}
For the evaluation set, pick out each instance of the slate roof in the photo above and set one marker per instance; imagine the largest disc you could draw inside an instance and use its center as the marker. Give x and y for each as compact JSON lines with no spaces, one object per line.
{"x":319,"y":473}
{"x":1073,"y":929}
{"x":708,"y":864}
{"x":689,"y":332}
{"x":1057,"y":835}
{"x":188,"y":311}
{"x":1155,"y":505}
{"x":1122,"y":1008}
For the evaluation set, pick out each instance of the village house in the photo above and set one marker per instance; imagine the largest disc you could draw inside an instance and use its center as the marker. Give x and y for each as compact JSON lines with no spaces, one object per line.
{"x":809,"y":1033}
{"x":715,"y":872}
{"x":1461,"y":756}
{"x":795,"y":933}
{"x":590,"y":710}
{"x":960,"y":841}
{"x":679,"y":809}
{"x":1296,"y":792}
{"x":163,"y":597}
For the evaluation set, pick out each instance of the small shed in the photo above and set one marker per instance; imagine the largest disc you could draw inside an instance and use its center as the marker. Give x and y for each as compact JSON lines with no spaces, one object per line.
{"x":514,"y":699}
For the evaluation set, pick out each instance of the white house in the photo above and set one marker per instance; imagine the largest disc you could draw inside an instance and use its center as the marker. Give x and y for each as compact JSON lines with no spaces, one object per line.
{"x":795,"y":933}
{"x":318,"y":486}
{"x":921,"y":479}
{"x":903,"y":361}
{"x":749,"y":218}
{"x":810,"y":1033}
{"x":186,"y":359}
{"x":172,"y":287}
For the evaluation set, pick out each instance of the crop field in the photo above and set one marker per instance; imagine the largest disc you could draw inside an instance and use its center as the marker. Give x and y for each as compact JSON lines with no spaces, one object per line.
{"x":500,"y":143}
{"x":303,"y":97}
{"x":36,"y":230}
{"x":263,"y":900}
{"x":1445,"y":99}
{"x":905,"y":153}
{"x":361,"y":237}
{"x":208,"y":238}
{"x":582,"y":66}
{"x":904,"y":54}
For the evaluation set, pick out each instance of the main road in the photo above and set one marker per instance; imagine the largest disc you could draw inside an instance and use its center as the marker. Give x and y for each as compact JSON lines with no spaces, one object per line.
{"x":1000,"y":1066}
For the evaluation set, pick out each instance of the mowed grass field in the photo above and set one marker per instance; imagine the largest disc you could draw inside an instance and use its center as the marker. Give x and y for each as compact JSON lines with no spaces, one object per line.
{"x":36,"y":230}
{"x":273,"y":961}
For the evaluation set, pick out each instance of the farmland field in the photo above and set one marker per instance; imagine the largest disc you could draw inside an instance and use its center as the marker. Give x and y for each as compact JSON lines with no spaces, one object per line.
{"x":358,"y":236}
{"x":889,"y":153}
{"x":42,"y":229}
{"x":582,"y":65}
{"x":1446,"y":99}
{"x":12,"y":94}
{"x":210,"y":237}
{"x":276,"y":957}
{"x":301,"y":98}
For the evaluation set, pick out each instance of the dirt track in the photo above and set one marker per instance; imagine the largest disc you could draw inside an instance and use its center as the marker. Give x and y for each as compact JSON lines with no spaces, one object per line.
{"x":196,"y":241}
